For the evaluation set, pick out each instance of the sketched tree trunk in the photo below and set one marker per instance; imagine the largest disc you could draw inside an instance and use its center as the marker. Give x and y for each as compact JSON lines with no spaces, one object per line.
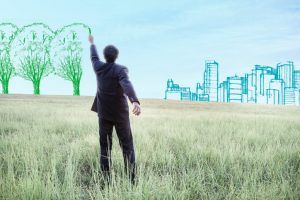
{"x":7,"y":70}
{"x":34,"y":54}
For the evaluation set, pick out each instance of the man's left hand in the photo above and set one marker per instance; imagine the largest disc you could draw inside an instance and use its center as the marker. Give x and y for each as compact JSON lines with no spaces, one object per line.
{"x":136,"y":108}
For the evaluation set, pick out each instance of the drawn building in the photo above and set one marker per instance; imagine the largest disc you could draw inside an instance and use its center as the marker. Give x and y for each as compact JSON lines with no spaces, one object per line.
{"x":296,"y":79}
{"x":264,"y":84}
{"x":174,"y":91}
{"x":222,"y":94}
{"x":285,"y":73}
{"x":211,"y":79}
{"x":250,"y":88}
{"x":298,"y":98}
{"x":201,"y":96}
{"x":272,"y":96}
{"x":278,"y":85}
{"x":262,"y":77}
{"x":290,"y":96}
{"x":234,"y":89}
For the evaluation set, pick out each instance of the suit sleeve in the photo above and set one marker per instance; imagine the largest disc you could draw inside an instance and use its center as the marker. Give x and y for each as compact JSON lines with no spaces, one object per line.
{"x":95,"y":106}
{"x":97,"y":64}
{"x":127,"y":86}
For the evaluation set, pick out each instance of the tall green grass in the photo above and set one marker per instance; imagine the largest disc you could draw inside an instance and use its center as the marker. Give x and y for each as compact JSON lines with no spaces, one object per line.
{"x":49,"y":149}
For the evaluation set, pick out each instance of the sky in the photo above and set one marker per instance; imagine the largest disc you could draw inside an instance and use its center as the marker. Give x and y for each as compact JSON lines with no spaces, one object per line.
{"x":158,"y":39}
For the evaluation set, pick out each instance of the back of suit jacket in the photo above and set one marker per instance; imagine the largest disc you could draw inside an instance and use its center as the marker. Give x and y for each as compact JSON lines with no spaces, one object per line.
{"x":113,"y":86}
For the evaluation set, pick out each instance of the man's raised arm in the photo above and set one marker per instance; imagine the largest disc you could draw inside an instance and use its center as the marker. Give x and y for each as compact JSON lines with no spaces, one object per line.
{"x":97,"y":64}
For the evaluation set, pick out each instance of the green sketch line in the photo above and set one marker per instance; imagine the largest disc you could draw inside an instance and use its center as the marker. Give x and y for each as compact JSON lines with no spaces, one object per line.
{"x":7,"y":70}
{"x":26,"y":52}
{"x":32,"y":49}
{"x":68,"y":50}
{"x":75,"y":24}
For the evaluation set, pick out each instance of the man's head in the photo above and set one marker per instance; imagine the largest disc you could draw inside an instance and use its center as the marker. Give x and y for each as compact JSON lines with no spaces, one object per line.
{"x":110,"y":53}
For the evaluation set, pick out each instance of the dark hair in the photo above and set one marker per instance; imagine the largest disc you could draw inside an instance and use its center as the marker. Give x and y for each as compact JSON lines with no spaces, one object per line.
{"x":110,"y":53}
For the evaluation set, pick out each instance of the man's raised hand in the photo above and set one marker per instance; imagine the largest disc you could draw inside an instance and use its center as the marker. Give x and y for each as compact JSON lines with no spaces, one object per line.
{"x":91,"y":39}
{"x":136,"y":108}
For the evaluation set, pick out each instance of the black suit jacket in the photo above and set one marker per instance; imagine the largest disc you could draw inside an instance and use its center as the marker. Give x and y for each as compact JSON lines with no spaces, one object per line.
{"x":112,"y":87}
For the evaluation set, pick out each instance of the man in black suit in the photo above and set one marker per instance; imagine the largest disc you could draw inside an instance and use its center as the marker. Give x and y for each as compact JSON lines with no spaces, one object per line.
{"x":110,"y":103}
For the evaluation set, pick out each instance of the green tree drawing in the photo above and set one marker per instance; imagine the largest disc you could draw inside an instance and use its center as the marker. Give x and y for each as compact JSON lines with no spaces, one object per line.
{"x":70,"y":67}
{"x":68,"y":54}
{"x":7,"y":70}
{"x":33,"y":52}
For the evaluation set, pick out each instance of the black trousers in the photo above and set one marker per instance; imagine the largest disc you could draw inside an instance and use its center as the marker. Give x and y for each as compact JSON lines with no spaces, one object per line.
{"x":126,"y":142}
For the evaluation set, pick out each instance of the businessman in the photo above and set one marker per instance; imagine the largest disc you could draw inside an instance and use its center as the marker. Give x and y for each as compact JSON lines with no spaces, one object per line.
{"x":113,"y":86}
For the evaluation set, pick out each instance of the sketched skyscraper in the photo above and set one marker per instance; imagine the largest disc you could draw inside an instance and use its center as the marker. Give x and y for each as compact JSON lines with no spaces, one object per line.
{"x":276,"y":90}
{"x":211,"y":79}
{"x":235,"y":89}
{"x":296,"y":79}
{"x":222,"y":92}
{"x":264,"y":84}
{"x":250,"y":85}
{"x":297,"y":85}
{"x":290,"y":96}
{"x":262,"y":76}
{"x":285,"y":73}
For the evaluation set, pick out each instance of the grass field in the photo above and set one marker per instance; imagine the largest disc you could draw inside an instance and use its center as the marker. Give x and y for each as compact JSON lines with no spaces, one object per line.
{"x":49,"y":149}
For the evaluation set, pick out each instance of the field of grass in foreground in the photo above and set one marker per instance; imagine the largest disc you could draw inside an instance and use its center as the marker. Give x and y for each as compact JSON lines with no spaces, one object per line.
{"x":49,"y":149}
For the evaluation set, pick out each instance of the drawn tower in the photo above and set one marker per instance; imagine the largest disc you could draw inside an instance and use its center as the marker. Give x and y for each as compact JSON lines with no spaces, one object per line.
{"x":211,"y":80}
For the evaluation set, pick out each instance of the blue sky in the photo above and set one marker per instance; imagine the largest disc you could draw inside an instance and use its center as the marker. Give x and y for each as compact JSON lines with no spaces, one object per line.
{"x":169,"y":39}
